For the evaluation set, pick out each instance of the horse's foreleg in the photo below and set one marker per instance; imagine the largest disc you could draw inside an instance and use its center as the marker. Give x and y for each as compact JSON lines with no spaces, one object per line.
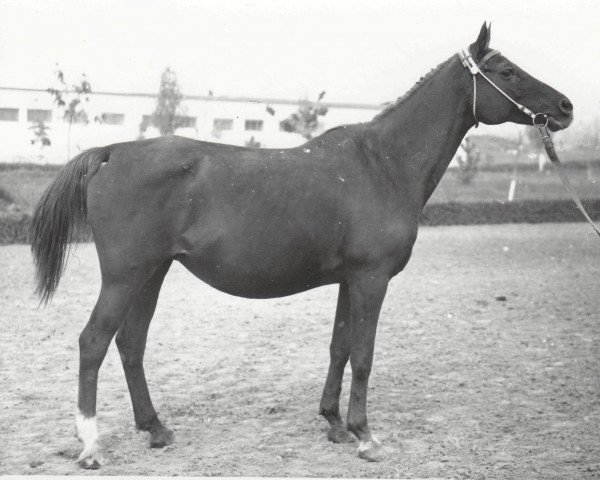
{"x":109,"y":312}
{"x":366,"y":297}
{"x":131,"y":342}
{"x":339,"y":352}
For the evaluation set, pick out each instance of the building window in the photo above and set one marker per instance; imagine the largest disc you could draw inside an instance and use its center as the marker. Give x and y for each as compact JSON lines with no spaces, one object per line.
{"x":186,"y":122}
{"x":113,"y":118}
{"x":181,"y":120}
{"x":254,"y":124}
{"x":34,"y":115}
{"x":80,"y":117}
{"x":9,"y":114}
{"x":223,"y":123}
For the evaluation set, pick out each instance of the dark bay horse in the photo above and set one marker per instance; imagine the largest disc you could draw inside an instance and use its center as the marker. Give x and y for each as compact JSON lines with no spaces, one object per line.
{"x":261,"y":223}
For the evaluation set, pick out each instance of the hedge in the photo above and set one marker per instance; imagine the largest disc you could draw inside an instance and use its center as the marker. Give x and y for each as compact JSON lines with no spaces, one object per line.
{"x":14,"y":227}
{"x":523,"y":211}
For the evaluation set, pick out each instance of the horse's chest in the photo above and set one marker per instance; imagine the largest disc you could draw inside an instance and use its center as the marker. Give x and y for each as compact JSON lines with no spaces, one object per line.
{"x":388,"y":246}
{"x":399,"y":249}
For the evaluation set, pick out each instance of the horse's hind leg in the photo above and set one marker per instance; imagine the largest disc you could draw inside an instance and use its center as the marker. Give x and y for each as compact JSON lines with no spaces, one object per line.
{"x":116,"y":295}
{"x":339,"y":352}
{"x":131,"y":342}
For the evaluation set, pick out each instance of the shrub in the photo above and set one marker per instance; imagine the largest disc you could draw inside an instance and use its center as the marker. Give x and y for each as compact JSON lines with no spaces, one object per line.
{"x":14,"y":228}
{"x":524,"y":211}
{"x":5,"y":196}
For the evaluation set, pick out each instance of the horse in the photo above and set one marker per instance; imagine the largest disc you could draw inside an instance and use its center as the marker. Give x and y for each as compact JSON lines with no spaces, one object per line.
{"x":342,"y":209}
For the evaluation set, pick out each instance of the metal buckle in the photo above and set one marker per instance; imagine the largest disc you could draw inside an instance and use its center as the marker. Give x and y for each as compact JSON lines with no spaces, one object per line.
{"x":540,"y":120}
{"x":468,"y":62}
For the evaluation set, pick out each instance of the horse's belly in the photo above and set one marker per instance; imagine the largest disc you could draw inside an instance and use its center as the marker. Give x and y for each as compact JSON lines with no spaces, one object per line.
{"x":253,"y":278}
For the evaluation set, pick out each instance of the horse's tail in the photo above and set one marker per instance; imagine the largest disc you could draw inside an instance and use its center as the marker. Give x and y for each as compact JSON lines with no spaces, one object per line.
{"x":61,"y":213}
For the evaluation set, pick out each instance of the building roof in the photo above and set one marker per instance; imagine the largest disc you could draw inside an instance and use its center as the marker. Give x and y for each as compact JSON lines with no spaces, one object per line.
{"x":220,"y":98}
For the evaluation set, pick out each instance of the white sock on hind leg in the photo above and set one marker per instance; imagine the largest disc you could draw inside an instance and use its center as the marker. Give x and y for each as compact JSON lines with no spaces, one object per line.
{"x":87,"y":433}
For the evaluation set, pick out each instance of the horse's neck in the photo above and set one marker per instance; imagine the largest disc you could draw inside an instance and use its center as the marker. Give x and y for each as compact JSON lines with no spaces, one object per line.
{"x":423,"y":131}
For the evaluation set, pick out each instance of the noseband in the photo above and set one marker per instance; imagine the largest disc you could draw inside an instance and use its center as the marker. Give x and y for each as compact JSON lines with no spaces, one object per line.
{"x":538,"y":119}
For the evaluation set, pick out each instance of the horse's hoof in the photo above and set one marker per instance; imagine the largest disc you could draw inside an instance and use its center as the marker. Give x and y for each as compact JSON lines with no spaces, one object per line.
{"x":371,"y":451}
{"x":89,"y":462}
{"x":340,"y":435}
{"x":161,"y":438}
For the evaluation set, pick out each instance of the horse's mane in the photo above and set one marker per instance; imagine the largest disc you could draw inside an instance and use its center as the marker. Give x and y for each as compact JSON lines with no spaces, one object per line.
{"x":415,"y":88}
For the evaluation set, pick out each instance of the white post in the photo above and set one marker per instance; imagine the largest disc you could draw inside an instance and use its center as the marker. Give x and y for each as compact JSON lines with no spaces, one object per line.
{"x":511,"y":190}
{"x":541,"y":161}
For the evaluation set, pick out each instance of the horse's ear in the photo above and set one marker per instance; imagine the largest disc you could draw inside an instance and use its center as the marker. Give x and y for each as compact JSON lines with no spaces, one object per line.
{"x":482,"y":43}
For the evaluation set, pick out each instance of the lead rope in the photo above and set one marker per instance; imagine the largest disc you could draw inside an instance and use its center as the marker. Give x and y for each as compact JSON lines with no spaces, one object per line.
{"x":475,"y":100}
{"x":551,"y":151}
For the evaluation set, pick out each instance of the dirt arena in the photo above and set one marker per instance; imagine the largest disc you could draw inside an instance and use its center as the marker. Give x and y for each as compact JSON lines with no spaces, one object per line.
{"x":487,"y":365}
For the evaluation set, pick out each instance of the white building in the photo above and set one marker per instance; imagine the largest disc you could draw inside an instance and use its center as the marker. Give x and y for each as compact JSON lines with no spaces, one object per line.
{"x":233,"y":120}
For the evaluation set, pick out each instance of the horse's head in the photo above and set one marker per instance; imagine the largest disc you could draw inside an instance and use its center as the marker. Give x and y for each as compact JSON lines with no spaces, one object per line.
{"x":493,"y":108}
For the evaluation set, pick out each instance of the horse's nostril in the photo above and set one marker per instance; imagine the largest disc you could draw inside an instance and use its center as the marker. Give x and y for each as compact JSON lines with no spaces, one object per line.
{"x":566,"y":106}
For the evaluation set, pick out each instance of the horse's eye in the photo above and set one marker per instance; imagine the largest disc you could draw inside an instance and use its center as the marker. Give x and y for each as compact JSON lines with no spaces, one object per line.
{"x":507,"y":72}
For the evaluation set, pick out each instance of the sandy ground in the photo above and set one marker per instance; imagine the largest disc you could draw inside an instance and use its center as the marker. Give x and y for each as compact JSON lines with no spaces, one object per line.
{"x":463,"y":384}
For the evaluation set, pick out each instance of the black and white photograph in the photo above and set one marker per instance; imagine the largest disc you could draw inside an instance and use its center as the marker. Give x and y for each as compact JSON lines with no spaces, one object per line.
{"x":307,"y":239}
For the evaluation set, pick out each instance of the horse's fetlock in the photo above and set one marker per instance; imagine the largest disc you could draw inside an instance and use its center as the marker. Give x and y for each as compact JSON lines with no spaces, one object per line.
{"x":328,"y":413}
{"x":149,"y":425}
{"x":358,"y":427}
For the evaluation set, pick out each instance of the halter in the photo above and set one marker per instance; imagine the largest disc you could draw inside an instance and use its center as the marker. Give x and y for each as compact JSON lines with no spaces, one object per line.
{"x":538,"y":119}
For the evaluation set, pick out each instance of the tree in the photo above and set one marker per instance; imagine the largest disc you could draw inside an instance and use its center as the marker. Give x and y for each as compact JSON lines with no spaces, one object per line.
{"x":167,"y":116}
{"x":40,"y":134}
{"x":252,"y":142}
{"x":71,"y":100}
{"x":468,"y":163}
{"x":306,"y":120}
{"x":590,"y":141}
{"x":533,"y":139}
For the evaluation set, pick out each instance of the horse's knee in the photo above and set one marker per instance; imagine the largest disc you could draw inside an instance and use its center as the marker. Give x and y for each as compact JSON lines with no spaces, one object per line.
{"x":361,"y":372}
{"x":338,"y":353}
{"x":361,"y":363}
